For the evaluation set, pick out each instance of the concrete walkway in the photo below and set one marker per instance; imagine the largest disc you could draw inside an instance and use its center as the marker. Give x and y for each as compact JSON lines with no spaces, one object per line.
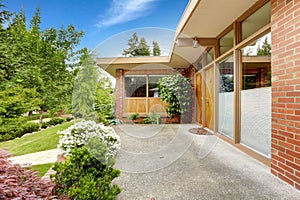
{"x":43,"y":157}
{"x":166,"y":162}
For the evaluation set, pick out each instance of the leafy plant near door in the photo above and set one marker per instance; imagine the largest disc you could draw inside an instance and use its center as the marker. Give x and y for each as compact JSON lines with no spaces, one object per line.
{"x":152,"y":118}
{"x":175,"y":90}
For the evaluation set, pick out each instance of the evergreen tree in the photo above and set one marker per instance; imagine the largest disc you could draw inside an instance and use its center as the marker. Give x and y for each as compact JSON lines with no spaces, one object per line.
{"x":133,"y":43}
{"x":143,"y":48}
{"x":156,"y":49}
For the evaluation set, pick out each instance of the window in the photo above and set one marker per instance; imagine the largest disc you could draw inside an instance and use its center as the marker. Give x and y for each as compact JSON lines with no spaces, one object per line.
{"x":226,"y":42}
{"x":226,"y":97}
{"x":135,"y":86}
{"x":153,"y":90}
{"x":256,"y":21}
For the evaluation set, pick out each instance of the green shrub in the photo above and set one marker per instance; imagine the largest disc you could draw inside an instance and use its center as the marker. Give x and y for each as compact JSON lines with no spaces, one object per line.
{"x":56,"y":120}
{"x":30,"y":127}
{"x":134,"y":116}
{"x":87,"y":173}
{"x":12,"y":128}
{"x":152,"y":118}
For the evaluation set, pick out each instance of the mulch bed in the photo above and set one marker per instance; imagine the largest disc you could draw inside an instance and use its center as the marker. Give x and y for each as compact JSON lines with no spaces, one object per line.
{"x":200,"y":131}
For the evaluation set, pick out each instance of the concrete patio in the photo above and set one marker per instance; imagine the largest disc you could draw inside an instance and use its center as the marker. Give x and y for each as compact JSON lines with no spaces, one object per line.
{"x":167,"y":162}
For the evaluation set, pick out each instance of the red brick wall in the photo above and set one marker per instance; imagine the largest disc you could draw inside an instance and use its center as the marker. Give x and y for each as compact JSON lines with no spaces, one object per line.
{"x":285,"y":22}
{"x":119,"y":94}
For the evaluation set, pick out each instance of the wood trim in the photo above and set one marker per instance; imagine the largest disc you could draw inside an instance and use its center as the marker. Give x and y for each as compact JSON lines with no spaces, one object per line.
{"x":236,"y":114}
{"x":237,"y":37}
{"x":252,"y":10}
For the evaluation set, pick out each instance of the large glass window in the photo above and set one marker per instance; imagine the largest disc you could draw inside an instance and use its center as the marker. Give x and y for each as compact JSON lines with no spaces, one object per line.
{"x":226,"y":97}
{"x":256,"y":96}
{"x":135,"y":86}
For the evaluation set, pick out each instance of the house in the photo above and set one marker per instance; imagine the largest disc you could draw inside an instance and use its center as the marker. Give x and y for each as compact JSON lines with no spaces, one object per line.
{"x":250,"y":100}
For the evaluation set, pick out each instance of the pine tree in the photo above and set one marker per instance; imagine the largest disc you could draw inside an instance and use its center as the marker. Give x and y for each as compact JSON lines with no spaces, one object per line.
{"x":133,"y":43}
{"x":143,"y":48}
{"x":156,"y":49}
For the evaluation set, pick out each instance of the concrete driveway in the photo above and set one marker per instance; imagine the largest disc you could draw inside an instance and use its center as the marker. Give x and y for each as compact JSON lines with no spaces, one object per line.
{"x":167,"y":162}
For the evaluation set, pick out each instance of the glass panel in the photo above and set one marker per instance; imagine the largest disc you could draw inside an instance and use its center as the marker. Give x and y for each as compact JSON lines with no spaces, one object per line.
{"x":226,"y":42}
{"x":210,"y":55}
{"x":256,"y":96}
{"x":256,"y":21}
{"x":226,"y":97}
{"x":153,"y":86}
{"x":135,"y":86}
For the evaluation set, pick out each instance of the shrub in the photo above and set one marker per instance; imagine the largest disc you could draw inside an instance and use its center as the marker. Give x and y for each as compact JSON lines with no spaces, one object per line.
{"x":16,"y":127}
{"x":176,"y":90}
{"x":152,"y":118}
{"x":19,"y":183}
{"x":134,"y":116}
{"x":56,"y":120}
{"x":87,"y":173}
{"x":30,"y":127}
{"x":79,"y":134}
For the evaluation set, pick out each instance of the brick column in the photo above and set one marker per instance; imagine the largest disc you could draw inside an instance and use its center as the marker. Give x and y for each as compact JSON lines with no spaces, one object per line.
{"x":119,"y":93}
{"x":285,"y":22}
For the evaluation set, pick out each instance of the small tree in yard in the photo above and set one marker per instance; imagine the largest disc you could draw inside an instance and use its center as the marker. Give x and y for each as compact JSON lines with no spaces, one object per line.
{"x":176,"y":90}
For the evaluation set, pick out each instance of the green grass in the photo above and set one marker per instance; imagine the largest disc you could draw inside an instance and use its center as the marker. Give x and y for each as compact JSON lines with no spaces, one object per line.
{"x":41,"y":169}
{"x":41,"y":141}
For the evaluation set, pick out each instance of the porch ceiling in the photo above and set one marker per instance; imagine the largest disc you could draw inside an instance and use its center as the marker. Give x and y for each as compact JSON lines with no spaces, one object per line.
{"x":206,"y":19}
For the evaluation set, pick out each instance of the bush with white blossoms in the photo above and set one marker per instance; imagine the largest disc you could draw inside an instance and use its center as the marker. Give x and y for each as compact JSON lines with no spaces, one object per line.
{"x":79,"y":134}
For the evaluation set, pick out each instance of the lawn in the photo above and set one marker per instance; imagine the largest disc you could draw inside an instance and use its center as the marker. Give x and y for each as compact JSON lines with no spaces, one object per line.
{"x":41,"y":169}
{"x":41,"y":141}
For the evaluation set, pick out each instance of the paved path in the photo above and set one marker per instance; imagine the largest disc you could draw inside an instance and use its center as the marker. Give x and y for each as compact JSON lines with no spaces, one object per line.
{"x":166,"y":162}
{"x":43,"y":157}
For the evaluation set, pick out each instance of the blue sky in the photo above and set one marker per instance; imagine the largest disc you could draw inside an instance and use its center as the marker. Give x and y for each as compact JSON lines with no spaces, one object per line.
{"x":109,"y":22}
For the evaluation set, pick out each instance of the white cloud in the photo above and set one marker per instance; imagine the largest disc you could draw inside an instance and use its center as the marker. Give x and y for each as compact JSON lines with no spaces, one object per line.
{"x":122,"y":11}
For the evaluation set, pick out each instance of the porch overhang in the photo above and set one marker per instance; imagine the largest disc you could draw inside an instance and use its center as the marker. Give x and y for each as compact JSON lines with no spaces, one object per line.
{"x":110,"y":65}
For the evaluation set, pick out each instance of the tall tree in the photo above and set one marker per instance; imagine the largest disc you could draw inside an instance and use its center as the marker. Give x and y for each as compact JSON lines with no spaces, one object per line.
{"x":143,"y":48}
{"x":156,"y":49}
{"x":133,"y":43}
{"x":85,"y":87}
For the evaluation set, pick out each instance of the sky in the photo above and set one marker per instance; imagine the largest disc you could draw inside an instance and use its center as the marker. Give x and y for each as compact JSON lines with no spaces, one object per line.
{"x":108,"y":24}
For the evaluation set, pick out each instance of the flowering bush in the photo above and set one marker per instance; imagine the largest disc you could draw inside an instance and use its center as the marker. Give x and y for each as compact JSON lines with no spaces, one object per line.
{"x":80,"y":133}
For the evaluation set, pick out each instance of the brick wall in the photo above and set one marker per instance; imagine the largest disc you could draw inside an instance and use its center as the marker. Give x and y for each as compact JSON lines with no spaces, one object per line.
{"x":119,"y":94}
{"x":285,"y":22}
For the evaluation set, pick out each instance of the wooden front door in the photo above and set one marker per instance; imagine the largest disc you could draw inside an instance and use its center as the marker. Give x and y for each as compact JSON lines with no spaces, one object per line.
{"x":209,"y":98}
{"x":199,"y":97}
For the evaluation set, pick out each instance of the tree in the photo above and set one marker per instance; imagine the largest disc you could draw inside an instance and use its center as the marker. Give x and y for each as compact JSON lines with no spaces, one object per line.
{"x":156,"y":49}
{"x":265,"y":50}
{"x":104,"y":100}
{"x":39,"y":59}
{"x":85,"y":87}
{"x":140,"y":48}
{"x":133,"y":43}
{"x":143,"y":48}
